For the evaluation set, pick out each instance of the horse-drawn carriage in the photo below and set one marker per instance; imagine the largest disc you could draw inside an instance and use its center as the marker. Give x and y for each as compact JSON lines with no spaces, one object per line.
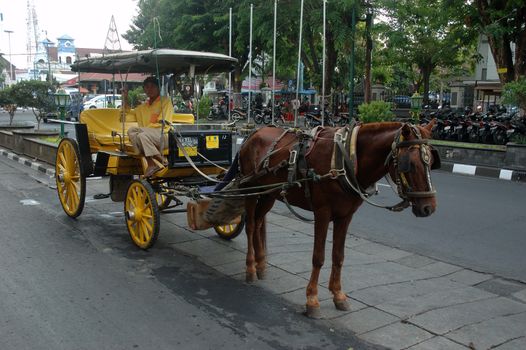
{"x":195,"y":156}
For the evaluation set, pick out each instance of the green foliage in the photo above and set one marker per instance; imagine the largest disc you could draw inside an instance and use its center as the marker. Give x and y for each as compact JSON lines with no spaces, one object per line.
{"x":376,"y":111}
{"x":34,"y":94}
{"x":519,"y":139}
{"x":515,"y":93}
{"x":136,"y":97}
{"x":203,"y":107}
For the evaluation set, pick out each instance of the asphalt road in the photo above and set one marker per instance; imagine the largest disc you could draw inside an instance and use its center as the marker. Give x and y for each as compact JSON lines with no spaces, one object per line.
{"x":480,"y":224}
{"x":63,"y":288}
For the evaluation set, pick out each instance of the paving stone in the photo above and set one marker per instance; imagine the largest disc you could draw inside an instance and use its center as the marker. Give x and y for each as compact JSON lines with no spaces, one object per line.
{"x":515,"y":344}
{"x":222,"y":258}
{"x":285,"y":258}
{"x":493,"y":332}
{"x":440,"y":268}
{"x":354,"y":257}
{"x":233,"y":268}
{"x":437,"y":343}
{"x":364,"y":276}
{"x":353,"y":241}
{"x":292,"y":248}
{"x":500,"y":287}
{"x":415,"y":261}
{"x":302,"y":267}
{"x":409,"y":306}
{"x":397,"y":336}
{"x":366,"y":320}
{"x":202,"y":247}
{"x":521,"y":295}
{"x":468,"y":277}
{"x":385,"y":252}
{"x":283,"y":284}
{"x":445,"y":320}
{"x":382,"y":294}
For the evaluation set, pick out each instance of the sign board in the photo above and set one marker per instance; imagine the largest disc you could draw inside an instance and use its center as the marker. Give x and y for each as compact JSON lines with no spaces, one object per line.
{"x":502,"y":70}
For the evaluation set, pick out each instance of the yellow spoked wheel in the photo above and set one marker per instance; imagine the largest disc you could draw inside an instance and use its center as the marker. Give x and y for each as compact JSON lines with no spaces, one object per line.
{"x":142,"y":214}
{"x":230,"y":231}
{"x":71,"y":182}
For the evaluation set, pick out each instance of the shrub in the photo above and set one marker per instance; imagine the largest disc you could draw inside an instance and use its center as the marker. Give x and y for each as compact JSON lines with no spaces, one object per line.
{"x":515,"y":93}
{"x":376,"y":111}
{"x":204,"y":106}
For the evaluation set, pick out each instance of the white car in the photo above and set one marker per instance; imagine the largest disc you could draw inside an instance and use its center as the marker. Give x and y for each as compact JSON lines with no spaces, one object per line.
{"x":104,"y":101}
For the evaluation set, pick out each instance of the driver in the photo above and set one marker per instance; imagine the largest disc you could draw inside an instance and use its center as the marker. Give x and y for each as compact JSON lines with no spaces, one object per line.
{"x":146,"y":138}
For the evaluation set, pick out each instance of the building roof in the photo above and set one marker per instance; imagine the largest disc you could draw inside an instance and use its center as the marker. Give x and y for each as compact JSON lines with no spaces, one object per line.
{"x":97,"y":77}
{"x":65,"y":37}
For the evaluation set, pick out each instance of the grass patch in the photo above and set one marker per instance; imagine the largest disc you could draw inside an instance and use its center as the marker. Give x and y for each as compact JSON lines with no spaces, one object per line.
{"x":469,"y":145}
{"x":51,"y":139}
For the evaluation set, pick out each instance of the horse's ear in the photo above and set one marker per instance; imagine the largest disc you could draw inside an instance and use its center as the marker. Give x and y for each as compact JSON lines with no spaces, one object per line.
{"x":430,"y":125}
{"x":406,"y":130}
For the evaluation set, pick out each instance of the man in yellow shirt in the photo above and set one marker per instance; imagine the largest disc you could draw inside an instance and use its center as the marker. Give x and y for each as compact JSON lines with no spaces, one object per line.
{"x":146,"y":138}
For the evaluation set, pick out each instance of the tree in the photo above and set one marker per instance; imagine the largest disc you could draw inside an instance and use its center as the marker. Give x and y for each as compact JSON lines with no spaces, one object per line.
{"x":8,"y":102}
{"x":36,"y":95}
{"x":503,"y":23}
{"x":428,"y":35}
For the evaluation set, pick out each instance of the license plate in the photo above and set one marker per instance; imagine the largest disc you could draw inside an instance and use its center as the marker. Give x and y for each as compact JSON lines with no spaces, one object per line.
{"x":212,"y":142}
{"x":190,"y":146}
{"x":447,"y":128}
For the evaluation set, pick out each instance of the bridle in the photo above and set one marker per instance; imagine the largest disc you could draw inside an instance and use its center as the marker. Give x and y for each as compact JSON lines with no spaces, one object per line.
{"x":400,"y":159}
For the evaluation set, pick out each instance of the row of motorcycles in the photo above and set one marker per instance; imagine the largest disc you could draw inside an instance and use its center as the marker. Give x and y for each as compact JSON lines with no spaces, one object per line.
{"x":496,"y":126}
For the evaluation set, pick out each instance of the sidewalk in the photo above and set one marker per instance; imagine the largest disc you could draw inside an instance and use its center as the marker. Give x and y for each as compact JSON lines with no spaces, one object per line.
{"x":398,"y":299}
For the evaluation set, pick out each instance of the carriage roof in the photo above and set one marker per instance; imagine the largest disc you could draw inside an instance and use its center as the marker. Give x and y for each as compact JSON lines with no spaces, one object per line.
{"x":164,"y":61}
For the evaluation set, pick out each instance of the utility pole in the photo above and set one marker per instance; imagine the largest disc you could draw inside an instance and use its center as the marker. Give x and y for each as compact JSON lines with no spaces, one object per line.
{"x":9,"y":32}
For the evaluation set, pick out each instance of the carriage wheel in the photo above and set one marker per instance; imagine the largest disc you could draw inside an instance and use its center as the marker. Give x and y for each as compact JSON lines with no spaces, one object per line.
{"x":69,"y":177}
{"x":142,"y":214}
{"x":230,"y":231}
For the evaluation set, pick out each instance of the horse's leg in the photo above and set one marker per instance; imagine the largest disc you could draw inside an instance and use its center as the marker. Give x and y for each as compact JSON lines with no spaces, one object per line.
{"x":338,"y":251}
{"x":250,"y":209}
{"x":260,"y":236}
{"x":321,"y":224}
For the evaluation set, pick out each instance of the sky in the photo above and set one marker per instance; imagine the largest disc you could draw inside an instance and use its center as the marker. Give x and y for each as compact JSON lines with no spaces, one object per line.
{"x":85,"y":21}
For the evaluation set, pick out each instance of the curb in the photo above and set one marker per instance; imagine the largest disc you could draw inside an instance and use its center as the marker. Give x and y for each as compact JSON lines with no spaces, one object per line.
{"x":477,"y":170}
{"x":27,"y":162}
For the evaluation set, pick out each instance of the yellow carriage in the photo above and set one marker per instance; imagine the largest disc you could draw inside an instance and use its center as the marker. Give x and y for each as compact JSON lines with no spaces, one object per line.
{"x":196,"y":154}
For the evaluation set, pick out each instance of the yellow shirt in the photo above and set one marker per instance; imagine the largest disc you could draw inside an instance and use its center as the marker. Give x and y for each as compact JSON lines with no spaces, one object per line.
{"x":150,"y":114}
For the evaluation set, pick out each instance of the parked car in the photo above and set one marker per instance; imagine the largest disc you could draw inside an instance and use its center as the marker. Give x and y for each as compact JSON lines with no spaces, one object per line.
{"x":104,"y":101}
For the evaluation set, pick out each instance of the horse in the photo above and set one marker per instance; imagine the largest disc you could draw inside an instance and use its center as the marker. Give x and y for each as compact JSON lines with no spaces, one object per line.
{"x":327,"y":172}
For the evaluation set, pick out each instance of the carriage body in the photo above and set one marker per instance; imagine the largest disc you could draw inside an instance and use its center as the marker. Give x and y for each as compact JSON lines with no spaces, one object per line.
{"x":195,"y":153}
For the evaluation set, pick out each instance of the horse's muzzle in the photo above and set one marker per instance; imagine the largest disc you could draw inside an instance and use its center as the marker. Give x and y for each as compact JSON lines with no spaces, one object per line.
{"x":423,"y":211}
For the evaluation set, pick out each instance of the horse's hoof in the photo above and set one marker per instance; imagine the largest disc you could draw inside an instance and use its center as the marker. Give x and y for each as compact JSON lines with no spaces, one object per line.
{"x":313,"y":312}
{"x":262,"y":274}
{"x":250,"y":277}
{"x":342,"y":305}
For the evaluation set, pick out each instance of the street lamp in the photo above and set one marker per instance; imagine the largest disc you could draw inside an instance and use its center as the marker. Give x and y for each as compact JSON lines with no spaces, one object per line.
{"x":9,"y":32}
{"x":416,"y":104}
{"x":61,"y":101}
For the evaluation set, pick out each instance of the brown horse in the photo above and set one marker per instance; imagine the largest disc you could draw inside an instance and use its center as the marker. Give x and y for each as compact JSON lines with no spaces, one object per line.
{"x":303,"y":174}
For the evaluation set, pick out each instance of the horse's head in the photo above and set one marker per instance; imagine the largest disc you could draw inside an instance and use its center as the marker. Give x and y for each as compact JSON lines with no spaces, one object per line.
{"x":412,"y":160}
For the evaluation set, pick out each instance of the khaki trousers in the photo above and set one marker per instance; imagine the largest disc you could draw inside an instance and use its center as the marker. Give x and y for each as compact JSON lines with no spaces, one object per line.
{"x":147,"y":140}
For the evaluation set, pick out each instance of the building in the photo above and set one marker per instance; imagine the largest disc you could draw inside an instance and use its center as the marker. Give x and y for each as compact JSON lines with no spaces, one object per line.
{"x":484,"y":88}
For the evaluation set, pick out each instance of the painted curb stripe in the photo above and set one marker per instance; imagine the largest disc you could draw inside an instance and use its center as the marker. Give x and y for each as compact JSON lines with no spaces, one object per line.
{"x":464,"y":169}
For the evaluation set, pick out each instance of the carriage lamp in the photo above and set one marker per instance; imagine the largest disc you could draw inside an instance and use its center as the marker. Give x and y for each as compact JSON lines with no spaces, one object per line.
{"x":416,"y":104}
{"x":61,"y":101}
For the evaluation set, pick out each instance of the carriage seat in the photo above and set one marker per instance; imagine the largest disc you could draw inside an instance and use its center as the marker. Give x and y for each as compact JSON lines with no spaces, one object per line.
{"x":102,"y":122}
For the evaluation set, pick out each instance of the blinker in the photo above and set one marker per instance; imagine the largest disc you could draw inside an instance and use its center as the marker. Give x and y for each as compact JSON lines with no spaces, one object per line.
{"x":404,"y":163}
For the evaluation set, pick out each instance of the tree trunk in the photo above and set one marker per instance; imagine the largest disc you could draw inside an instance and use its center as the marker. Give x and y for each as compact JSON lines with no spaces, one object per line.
{"x":426,"y":75}
{"x":368,"y":59}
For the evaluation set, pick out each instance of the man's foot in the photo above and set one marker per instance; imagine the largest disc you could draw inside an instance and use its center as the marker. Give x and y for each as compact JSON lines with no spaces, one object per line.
{"x":151,"y":170}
